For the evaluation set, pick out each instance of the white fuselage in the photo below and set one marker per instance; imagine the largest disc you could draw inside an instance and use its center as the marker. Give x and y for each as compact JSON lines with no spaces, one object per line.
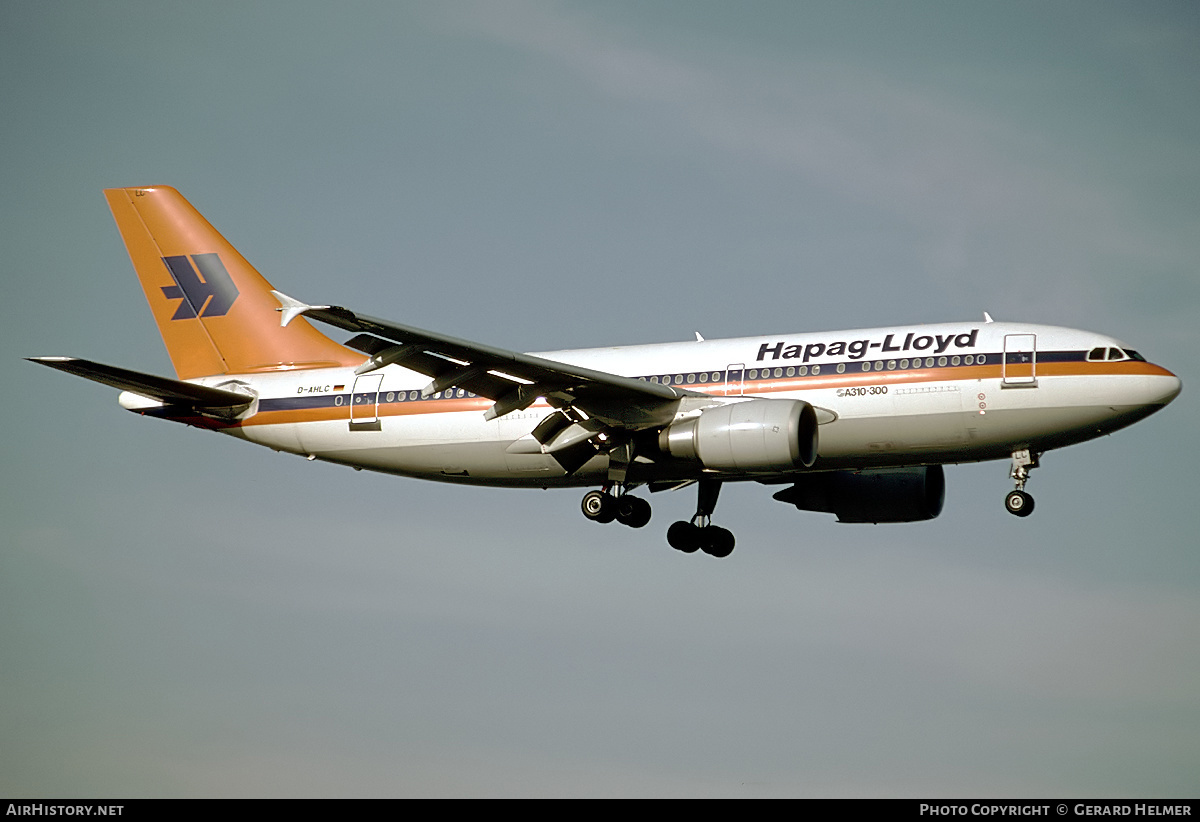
{"x":908,"y":395}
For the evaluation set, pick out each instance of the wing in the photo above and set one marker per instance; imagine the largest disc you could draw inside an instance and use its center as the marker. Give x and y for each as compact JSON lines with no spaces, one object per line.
{"x":590,"y":404}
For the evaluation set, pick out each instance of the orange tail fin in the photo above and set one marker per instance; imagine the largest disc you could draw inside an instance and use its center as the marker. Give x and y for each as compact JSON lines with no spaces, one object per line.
{"x":216,"y":313}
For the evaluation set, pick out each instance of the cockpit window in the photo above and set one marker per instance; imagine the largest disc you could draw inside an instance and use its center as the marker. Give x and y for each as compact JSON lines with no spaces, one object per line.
{"x":1113,"y":353}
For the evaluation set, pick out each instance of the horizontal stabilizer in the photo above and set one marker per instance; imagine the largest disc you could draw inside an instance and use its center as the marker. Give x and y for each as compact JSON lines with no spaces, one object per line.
{"x":168,"y":391}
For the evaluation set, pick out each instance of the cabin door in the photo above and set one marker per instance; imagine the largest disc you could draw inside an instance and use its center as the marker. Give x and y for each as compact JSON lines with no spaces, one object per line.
{"x":734,"y":379}
{"x":1020,"y":361}
{"x":364,"y":403}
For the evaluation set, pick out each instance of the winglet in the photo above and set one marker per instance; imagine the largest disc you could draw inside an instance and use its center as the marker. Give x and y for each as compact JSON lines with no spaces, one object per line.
{"x":290,"y":308}
{"x":987,"y":318}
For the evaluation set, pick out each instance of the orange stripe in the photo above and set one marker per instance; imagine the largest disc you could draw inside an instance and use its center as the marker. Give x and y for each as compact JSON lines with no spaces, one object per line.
{"x":897,"y":377}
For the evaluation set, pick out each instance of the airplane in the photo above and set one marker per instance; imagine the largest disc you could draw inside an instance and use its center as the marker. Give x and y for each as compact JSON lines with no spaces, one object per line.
{"x":855,"y":423}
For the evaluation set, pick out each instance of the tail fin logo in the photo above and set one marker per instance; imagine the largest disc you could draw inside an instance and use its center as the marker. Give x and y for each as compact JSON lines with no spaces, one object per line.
{"x":203,"y":284}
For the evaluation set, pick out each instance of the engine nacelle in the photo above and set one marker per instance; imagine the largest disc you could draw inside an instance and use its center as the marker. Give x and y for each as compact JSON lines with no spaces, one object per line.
{"x":754,"y":435}
{"x":880,"y":495}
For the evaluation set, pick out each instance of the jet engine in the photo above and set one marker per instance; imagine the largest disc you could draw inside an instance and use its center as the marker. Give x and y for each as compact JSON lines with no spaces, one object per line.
{"x":881,"y":495}
{"x":752,"y":436}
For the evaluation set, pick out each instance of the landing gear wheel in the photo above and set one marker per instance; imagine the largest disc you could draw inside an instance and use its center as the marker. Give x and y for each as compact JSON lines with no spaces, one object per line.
{"x":683,"y":536}
{"x":717,"y":541}
{"x":599,"y":506}
{"x":632,"y":511}
{"x":713,"y":540}
{"x":700,"y":533}
{"x":1019,"y":503}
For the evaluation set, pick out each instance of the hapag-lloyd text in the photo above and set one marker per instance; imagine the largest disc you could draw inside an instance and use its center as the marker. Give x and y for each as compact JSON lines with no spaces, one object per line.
{"x":857,"y":349}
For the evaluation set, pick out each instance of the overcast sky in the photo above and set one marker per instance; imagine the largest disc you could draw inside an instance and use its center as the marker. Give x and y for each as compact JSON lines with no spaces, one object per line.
{"x":185,"y":615}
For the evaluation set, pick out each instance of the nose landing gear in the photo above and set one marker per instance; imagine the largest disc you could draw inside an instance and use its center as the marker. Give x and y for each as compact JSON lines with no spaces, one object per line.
{"x":1017,"y":502}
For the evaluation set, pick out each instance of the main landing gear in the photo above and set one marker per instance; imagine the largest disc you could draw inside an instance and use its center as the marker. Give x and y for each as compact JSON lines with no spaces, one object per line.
{"x":601,"y":506}
{"x":1017,"y":501}
{"x":699,"y":533}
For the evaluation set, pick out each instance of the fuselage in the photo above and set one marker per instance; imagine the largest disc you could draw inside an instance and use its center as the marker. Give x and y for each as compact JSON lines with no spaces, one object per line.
{"x":907,"y":395}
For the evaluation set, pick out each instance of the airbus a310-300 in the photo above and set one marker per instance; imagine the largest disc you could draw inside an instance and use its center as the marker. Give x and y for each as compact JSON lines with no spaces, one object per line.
{"x":853,"y":423}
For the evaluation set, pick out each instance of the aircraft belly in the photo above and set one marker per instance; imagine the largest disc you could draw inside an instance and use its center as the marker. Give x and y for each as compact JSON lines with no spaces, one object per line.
{"x":457,"y":447}
{"x":901,"y":436}
{"x":974,"y":420}
{"x":1059,"y":411}
{"x":277,"y":437}
{"x":449,"y":461}
{"x":877,"y":442}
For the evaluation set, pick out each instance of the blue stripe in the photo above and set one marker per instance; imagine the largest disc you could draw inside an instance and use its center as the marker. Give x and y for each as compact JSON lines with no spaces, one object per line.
{"x":690,"y":378}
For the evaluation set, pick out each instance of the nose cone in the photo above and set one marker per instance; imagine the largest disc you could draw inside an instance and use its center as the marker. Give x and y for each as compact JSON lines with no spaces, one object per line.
{"x":1144,"y":392}
{"x":1140,"y":395}
{"x":1151,"y":392}
{"x":1168,"y":387}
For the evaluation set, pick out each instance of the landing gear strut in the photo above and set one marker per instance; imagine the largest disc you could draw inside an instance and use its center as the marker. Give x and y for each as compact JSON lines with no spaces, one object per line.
{"x":1017,"y":501}
{"x":601,"y":506}
{"x":699,"y":532}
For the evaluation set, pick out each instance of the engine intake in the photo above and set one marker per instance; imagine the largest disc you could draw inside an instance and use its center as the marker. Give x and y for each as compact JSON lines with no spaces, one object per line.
{"x":880,"y":495}
{"x":754,"y":435}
